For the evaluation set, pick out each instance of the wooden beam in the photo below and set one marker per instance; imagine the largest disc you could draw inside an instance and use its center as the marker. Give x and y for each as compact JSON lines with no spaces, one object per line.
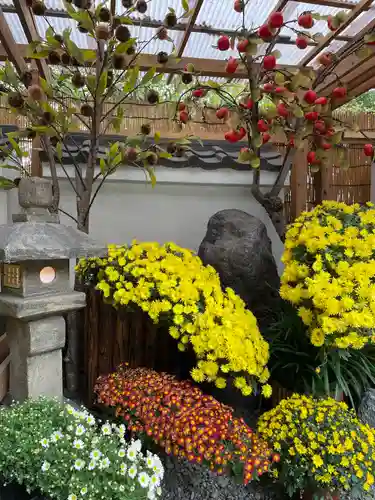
{"x":29,"y":26}
{"x":298,"y":183}
{"x":358,"y":9}
{"x":338,"y":4}
{"x":206,"y":67}
{"x":186,"y":36}
{"x":9,"y":46}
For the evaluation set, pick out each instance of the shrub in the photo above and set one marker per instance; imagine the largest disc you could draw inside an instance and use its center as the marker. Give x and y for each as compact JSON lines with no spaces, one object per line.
{"x":172,"y":286}
{"x":322,"y":445}
{"x":185,"y":422}
{"x":330,"y":273}
{"x":66,"y":455}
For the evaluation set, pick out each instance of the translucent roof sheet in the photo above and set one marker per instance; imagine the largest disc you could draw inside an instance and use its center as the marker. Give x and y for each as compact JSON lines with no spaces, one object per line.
{"x":214,"y":14}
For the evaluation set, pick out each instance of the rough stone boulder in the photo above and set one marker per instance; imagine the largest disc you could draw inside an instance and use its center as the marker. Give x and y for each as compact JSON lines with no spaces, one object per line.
{"x":366,"y":410}
{"x":238,"y":247}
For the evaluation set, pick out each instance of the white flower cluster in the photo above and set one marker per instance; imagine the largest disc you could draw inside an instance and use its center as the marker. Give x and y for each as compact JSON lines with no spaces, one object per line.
{"x":80,"y":459}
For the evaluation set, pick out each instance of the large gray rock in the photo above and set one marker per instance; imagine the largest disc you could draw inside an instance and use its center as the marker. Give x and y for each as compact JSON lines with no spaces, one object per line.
{"x":366,"y":410}
{"x":237,"y":246}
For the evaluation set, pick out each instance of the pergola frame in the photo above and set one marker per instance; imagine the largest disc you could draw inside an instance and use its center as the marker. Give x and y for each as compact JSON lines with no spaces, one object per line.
{"x":357,"y":74}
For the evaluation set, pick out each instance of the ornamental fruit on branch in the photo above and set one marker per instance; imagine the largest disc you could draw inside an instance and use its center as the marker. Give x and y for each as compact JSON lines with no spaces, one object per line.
{"x":276,"y":103}
{"x":87,"y":90}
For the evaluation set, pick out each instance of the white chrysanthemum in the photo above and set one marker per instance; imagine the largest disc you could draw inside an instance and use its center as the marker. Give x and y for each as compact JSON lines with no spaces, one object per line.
{"x":92,"y":465}
{"x":83,"y":491}
{"x":158,"y":491}
{"x":132,"y":471}
{"x":70,"y":409}
{"x":44,"y":442}
{"x":131,"y":454}
{"x":72,"y":496}
{"x":151,"y":495}
{"x":45,"y":466}
{"x":144,"y":479}
{"x":80,"y":430}
{"x":95,"y":454}
{"x":105,"y":463}
{"x":121,"y":453}
{"x":78,"y":444}
{"x":90,"y":420}
{"x":121,"y":429}
{"x":79,"y":464}
{"x":155,"y":481}
{"x":55,"y":436}
{"x":137,"y":445}
{"x":123,"y":469}
{"x":107,"y":430}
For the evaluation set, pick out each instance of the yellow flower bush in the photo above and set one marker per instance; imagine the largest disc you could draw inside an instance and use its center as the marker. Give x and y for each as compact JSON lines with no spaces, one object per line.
{"x":330,"y":273}
{"x":322,"y":445}
{"x":172,"y":285}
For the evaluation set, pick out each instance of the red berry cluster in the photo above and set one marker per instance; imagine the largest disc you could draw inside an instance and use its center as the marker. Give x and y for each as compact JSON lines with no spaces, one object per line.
{"x":185,"y":422}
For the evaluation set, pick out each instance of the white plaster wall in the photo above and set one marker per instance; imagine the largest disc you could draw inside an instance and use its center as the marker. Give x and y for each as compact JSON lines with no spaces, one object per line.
{"x":176,"y":209}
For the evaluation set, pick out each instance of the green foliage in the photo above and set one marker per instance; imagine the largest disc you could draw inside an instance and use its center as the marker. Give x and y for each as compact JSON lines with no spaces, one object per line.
{"x":66,"y":454}
{"x":363,"y":103}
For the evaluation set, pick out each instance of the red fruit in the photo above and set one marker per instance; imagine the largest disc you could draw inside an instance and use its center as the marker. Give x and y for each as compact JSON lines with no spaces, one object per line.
{"x":242,"y":45}
{"x":321,"y":100}
{"x":198,"y":93}
{"x":269,"y":62}
{"x":230,"y":136}
{"x":231,"y":66}
{"x":310,"y":96}
{"x":311,"y":157}
{"x":301,"y":42}
{"x":241,"y":133}
{"x":325,"y":59}
{"x":281,"y":109}
{"x":291,"y":141}
{"x":248,"y":104}
{"x":280,"y":90}
{"x":276,"y":20}
{"x":184,"y":117}
{"x":329,"y":23}
{"x":265,"y":32}
{"x":266,"y":137}
{"x":326,"y":146}
{"x":306,"y":20}
{"x":368,"y":149}
{"x":330,"y":132}
{"x":320,"y":126}
{"x":223,"y":43}
{"x":238,"y":6}
{"x":222,"y":113}
{"x":181,"y":106}
{"x":268,"y":87}
{"x":312,"y":116}
{"x":262,"y":126}
{"x":339,"y":92}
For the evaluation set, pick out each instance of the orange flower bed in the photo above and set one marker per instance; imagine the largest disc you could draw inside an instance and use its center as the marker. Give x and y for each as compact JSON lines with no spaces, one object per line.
{"x":185,"y":422}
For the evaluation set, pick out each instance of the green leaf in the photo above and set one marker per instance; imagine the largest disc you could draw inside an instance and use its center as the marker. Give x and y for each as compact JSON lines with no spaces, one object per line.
{"x":91,"y":83}
{"x":121,"y":48}
{"x":103,"y":166}
{"x":297,"y":111}
{"x":6,"y":183}
{"x":102,"y":83}
{"x":148,"y":76}
{"x":255,"y":163}
{"x":158,"y":78}
{"x":276,"y":53}
{"x":11,"y":75}
{"x":214,"y":85}
{"x":257,"y":141}
{"x":126,"y":20}
{"x":89,"y":55}
{"x":32,"y":54}
{"x":157,"y":137}
{"x":74,"y":51}
{"x":9,"y":166}
{"x":185,"y":5}
{"x":190,"y":138}
{"x":59,"y":151}
{"x":279,"y":78}
{"x":14,"y":144}
{"x":113,"y":150}
{"x":164,"y":154}
{"x":132,"y":78}
{"x":151,"y":174}
{"x":46,"y":87}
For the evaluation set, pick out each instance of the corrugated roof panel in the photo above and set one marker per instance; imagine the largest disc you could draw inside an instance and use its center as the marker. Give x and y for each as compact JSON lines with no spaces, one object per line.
{"x":361,"y":21}
{"x":82,"y":40}
{"x":157,"y":9}
{"x":332,"y":47}
{"x":154,"y":46}
{"x":221,"y":15}
{"x":15,"y":25}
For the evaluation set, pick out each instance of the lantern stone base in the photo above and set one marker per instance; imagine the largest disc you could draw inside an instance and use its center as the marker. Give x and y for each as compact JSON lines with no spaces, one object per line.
{"x":36,"y":357}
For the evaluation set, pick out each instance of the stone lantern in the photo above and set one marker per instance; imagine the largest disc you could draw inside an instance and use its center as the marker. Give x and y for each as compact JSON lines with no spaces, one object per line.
{"x":36,"y":290}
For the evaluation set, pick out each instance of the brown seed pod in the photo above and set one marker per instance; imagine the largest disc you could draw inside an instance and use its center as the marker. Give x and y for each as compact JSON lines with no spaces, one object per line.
{"x":141,"y":6}
{"x":109,"y":79}
{"x":170,"y":20}
{"x":35,"y":92}
{"x":131,"y":154}
{"x":30,"y":133}
{"x":187,"y":78}
{"x":162,"y":57}
{"x":87,"y":110}
{"x":102,"y":31}
{"x":152,"y":159}
{"x":78,"y":80}
{"x":47,"y":118}
{"x":116,"y":22}
{"x":152,"y":97}
{"x":162,"y":33}
{"x":58,"y":38}
{"x":38,"y":8}
{"x":17,"y":181}
{"x":127,"y":4}
{"x":82,"y":4}
{"x":146,"y":129}
{"x":171,"y":148}
{"x":118,"y":61}
{"x":74,"y":61}
{"x":66,"y":59}
{"x":104,"y":15}
{"x":180,"y":151}
{"x":27,"y":78}
{"x":29,"y":3}
{"x":54,"y":57}
{"x":15,"y":100}
{"x":54,"y":141}
{"x":131,"y":50}
{"x":122,"y":33}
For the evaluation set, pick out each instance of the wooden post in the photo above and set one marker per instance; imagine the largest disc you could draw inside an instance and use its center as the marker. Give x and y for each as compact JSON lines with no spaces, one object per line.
{"x":36,"y":165}
{"x":298,"y":183}
{"x":323,"y":185}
